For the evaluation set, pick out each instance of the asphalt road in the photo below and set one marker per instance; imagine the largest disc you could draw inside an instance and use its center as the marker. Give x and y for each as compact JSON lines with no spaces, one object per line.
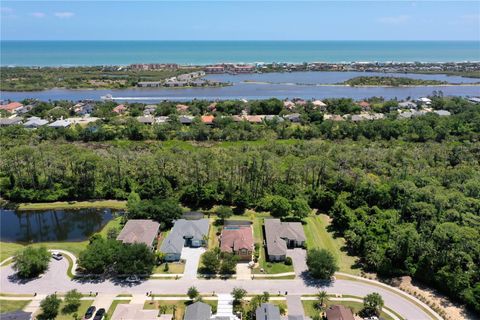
{"x":56,"y":280}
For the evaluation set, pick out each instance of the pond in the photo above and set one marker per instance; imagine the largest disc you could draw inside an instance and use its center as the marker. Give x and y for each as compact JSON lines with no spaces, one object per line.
{"x":52,"y":225}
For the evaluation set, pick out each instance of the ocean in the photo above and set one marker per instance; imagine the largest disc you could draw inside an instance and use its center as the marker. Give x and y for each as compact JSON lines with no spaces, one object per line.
{"x":79,"y":53}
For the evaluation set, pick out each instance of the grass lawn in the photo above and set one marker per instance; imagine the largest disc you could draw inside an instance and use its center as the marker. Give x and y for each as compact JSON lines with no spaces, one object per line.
{"x":111,"y":204}
{"x":318,"y":237}
{"x":113,"y":306}
{"x":84,"y":304}
{"x":180,"y":304}
{"x":212,"y":235}
{"x":310,"y":311}
{"x":173,"y":268}
{"x":12,"y":305}
{"x":8,"y":249}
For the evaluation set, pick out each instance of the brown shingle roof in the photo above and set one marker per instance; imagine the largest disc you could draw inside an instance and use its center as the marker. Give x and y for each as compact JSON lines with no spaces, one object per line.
{"x":139,"y":231}
{"x":338,"y":312}
{"x":235,"y":238}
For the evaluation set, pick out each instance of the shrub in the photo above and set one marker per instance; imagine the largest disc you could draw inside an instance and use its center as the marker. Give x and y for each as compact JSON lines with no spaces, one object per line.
{"x":288,"y":261}
{"x":31,"y":262}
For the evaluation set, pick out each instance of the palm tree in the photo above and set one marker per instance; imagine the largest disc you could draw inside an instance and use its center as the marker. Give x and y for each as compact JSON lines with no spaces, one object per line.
{"x":174,"y":310}
{"x":322,"y":300}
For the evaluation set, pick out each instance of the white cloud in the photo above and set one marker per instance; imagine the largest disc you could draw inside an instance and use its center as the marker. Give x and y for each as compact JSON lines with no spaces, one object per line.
{"x":63,"y":15}
{"x":394,"y":19}
{"x":38,"y":14}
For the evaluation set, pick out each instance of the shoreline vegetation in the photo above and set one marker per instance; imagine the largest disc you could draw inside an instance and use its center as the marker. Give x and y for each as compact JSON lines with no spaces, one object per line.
{"x":59,"y":205}
{"x":15,"y":79}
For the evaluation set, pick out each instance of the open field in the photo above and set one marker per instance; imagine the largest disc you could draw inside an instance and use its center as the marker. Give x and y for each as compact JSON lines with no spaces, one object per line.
{"x":319,"y":237}
{"x":12,"y":305}
{"x":8,"y":249}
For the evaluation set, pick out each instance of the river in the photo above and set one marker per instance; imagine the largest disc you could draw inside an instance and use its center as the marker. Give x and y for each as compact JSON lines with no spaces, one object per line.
{"x":304,"y":85}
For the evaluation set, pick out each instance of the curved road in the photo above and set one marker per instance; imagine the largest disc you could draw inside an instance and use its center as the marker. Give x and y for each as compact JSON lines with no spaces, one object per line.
{"x":56,"y":279}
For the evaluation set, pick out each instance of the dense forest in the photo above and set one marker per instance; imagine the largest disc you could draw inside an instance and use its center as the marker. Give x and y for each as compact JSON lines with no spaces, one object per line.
{"x":407,"y":203}
{"x":391,"y":81}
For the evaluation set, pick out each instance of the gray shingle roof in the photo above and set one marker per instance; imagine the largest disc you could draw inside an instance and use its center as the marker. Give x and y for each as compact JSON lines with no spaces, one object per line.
{"x":139,"y":231}
{"x":267,"y":311}
{"x":198,"y":311}
{"x":276,"y":232}
{"x":194,"y":229}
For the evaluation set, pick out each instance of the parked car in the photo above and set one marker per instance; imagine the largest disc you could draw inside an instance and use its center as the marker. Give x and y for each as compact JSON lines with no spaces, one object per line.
{"x":99,"y":315}
{"x":132,"y":279}
{"x":57,"y":255}
{"x":90,"y":312}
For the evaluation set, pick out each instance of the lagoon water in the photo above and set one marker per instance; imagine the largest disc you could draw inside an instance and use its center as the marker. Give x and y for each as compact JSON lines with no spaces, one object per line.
{"x":69,"y":53}
{"x":304,"y":85}
{"x":51,"y":225}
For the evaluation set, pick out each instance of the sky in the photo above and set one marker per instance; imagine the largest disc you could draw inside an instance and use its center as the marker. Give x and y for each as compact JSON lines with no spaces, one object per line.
{"x":240,"y":20}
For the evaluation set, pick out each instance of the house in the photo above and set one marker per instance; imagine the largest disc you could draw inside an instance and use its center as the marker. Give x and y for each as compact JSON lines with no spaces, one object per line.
{"x":255,"y":118}
{"x":186,"y":119}
{"x":149,"y":109}
{"x":474,"y":100}
{"x":149,"y":84}
{"x":198,"y":311}
{"x":267,"y":311}
{"x":215,"y":69}
{"x":293,"y":117}
{"x":237,"y":240}
{"x":319,"y":104}
{"x":5,"y":122}
{"x":34,"y":122}
{"x":24,"y":109}
{"x":208,"y":119}
{"x":60,"y":124}
{"x":125,"y":311}
{"x":442,"y":113}
{"x":182,"y":107}
{"x":146,"y":120}
{"x":11,"y":107}
{"x":364,"y":105}
{"x":338,"y":312}
{"x":83,"y":121}
{"x":424,"y":100}
{"x":140,"y":231}
{"x":270,"y":117}
{"x":289,"y":105}
{"x":407,"y":105}
{"x":120,"y":109}
{"x":83,"y":109}
{"x":190,"y":233}
{"x":243,"y":68}
{"x":282,"y":235}
{"x":162,"y":119}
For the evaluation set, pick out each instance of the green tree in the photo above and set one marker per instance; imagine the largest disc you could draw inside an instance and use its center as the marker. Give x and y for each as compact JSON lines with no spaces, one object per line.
{"x":238,"y":294}
{"x":277,"y":205}
{"x":134,"y":258}
{"x":321,"y":263}
{"x":30,"y":262}
{"x":211,"y":262}
{"x":322,"y":300}
{"x":300,"y":208}
{"x":72,"y":301}
{"x":192,"y":293}
{"x":50,"y":306}
{"x":224,"y":212}
{"x":372,"y":304}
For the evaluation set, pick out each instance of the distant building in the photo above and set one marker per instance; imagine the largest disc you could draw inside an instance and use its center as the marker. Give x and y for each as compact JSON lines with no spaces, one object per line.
{"x":5,"y":122}
{"x":148,"y":120}
{"x":424,"y":101}
{"x":140,"y":231}
{"x":11,"y":107}
{"x":120,"y":109}
{"x":474,"y":100}
{"x":267,"y":311}
{"x":60,"y":124}
{"x":407,"y":105}
{"x":293,"y":117}
{"x":186,"y":119}
{"x":208,"y":119}
{"x":34,"y":122}
{"x":215,"y":69}
{"x":182,"y":107}
{"x":442,"y":113}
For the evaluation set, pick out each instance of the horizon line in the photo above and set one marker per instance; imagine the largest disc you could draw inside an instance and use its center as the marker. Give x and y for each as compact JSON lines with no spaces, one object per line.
{"x":240,"y":40}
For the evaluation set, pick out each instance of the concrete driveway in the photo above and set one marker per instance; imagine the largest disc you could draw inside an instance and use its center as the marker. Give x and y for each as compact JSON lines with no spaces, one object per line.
{"x":299,"y":259}
{"x":294,"y":305}
{"x":192,"y":259}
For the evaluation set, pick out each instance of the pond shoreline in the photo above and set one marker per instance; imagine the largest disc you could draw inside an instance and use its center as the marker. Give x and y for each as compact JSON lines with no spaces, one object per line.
{"x":93,"y":204}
